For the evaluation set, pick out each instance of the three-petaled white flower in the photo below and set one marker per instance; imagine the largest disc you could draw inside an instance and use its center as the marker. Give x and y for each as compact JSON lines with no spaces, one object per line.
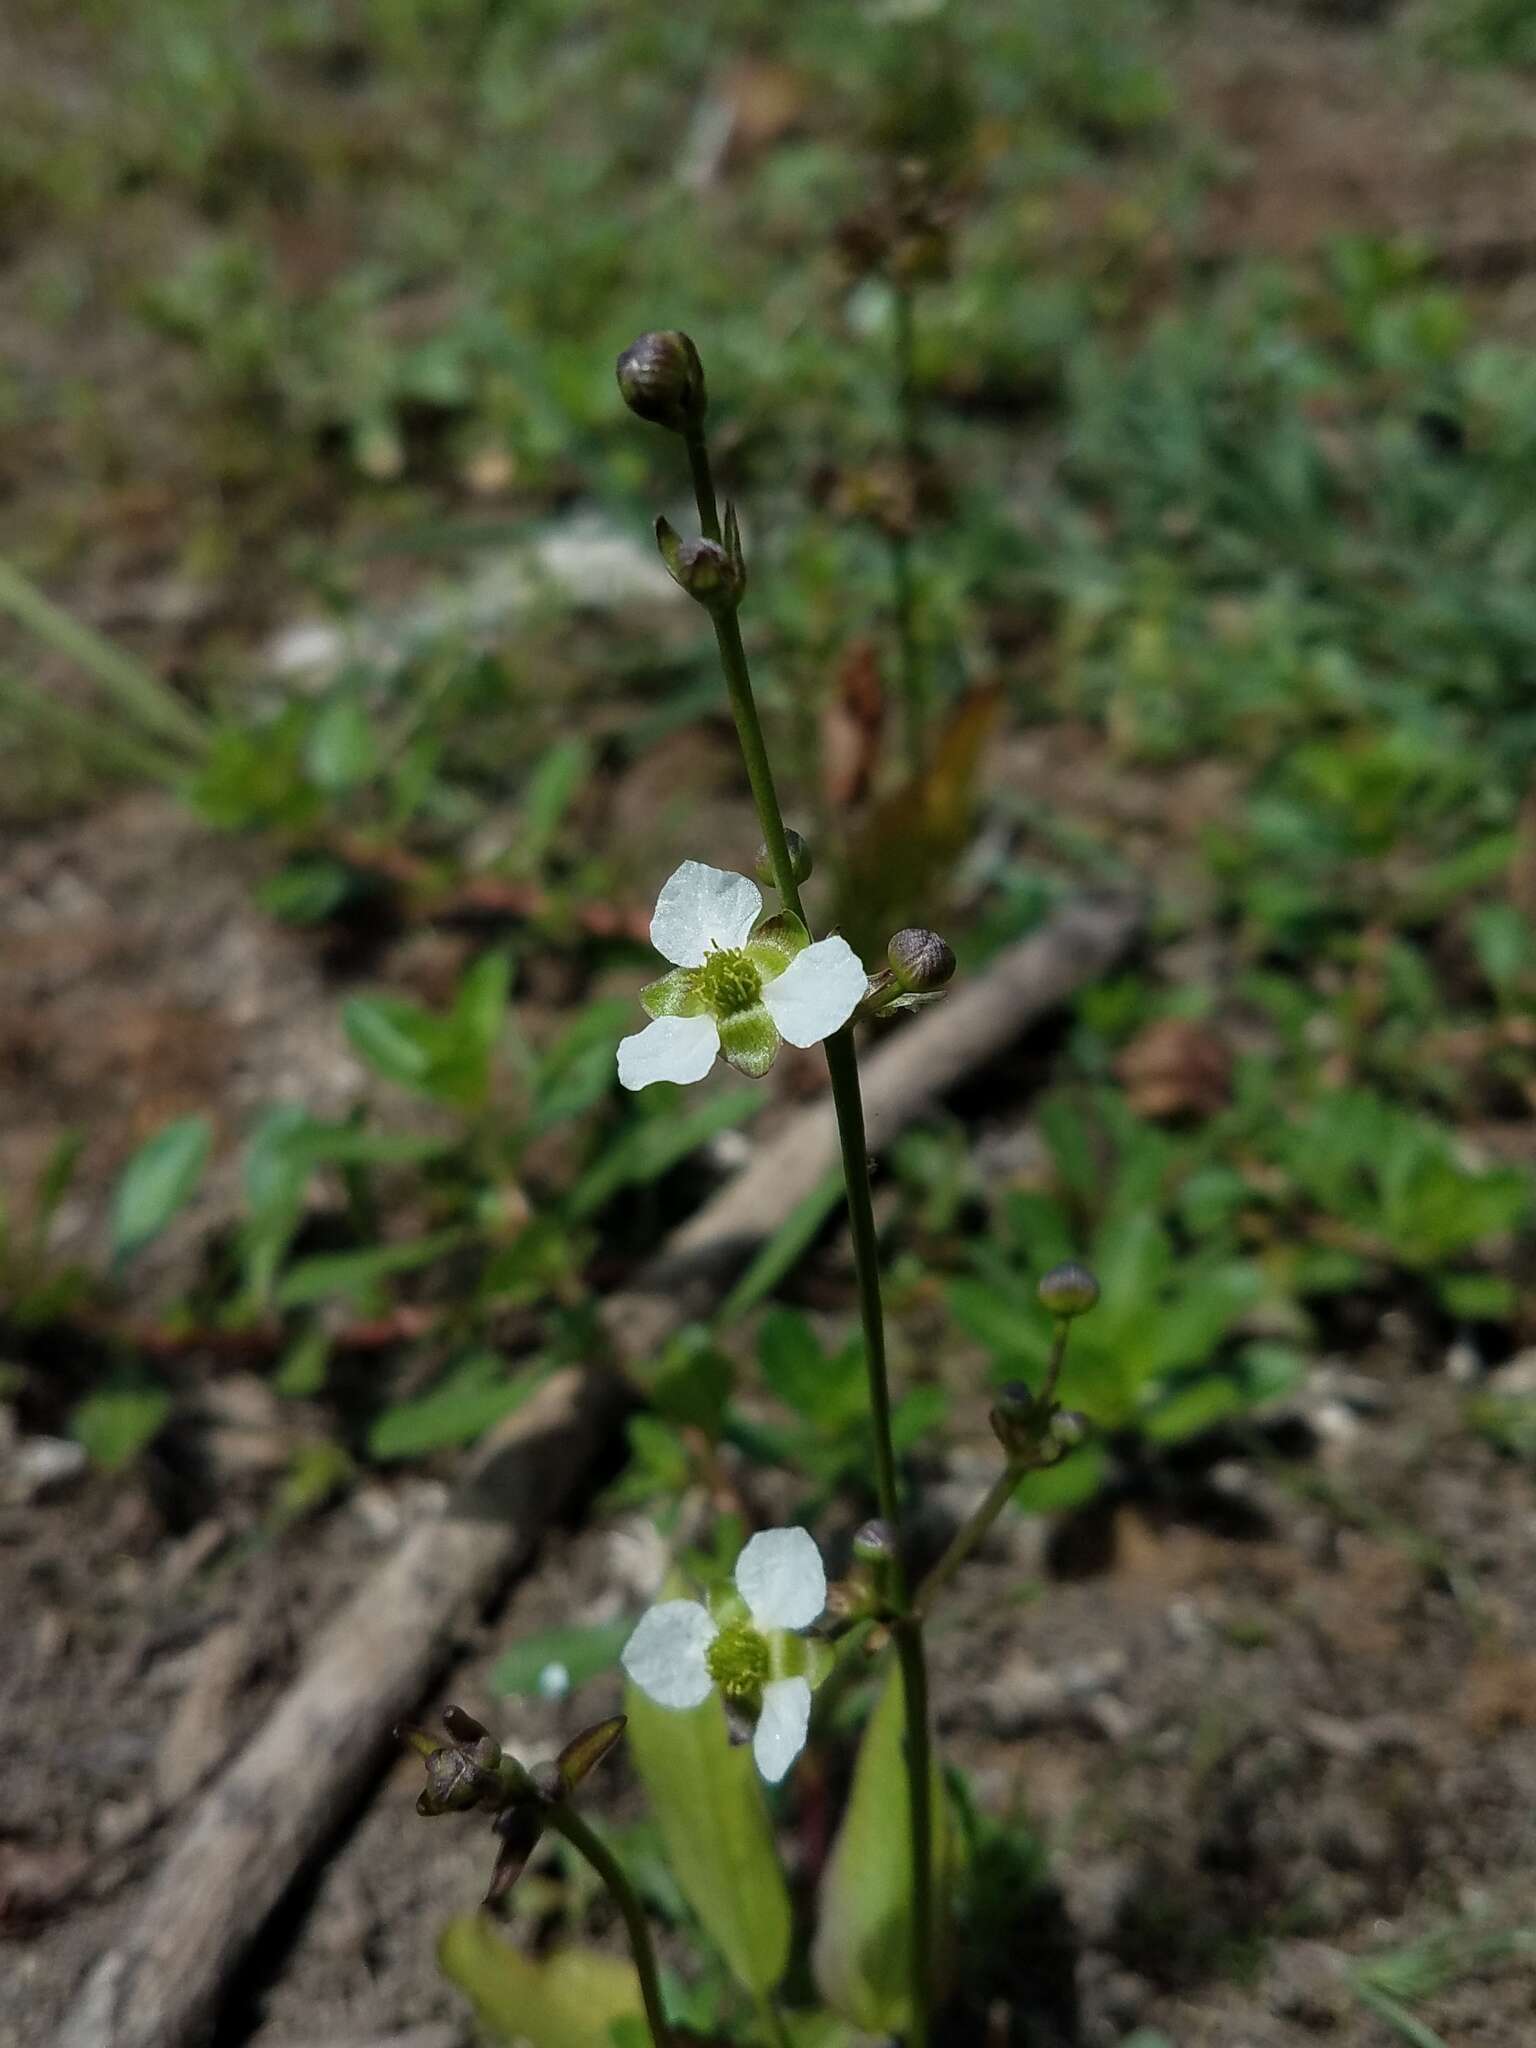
{"x":680,"y":1652}
{"x":737,"y":986}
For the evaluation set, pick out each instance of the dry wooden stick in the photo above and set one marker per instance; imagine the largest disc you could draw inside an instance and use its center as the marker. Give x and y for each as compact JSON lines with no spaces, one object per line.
{"x":303,"y":1774}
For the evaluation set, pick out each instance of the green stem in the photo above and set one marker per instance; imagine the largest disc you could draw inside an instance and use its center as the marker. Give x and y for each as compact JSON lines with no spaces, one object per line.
{"x":843,"y":1074}
{"x":611,"y":1871}
{"x":968,"y":1536}
{"x":1002,"y":1489}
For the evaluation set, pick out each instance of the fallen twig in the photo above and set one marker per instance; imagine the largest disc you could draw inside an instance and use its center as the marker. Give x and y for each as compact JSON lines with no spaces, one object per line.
{"x":309,"y":1764}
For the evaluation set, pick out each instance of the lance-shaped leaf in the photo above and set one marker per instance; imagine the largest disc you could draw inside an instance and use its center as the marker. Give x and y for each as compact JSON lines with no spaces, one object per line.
{"x":861,"y":1955}
{"x":709,"y":1807}
{"x":567,"y":2000}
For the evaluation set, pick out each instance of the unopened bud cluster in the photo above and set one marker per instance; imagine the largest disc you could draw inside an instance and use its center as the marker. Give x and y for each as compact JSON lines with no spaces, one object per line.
{"x":471,"y":1771}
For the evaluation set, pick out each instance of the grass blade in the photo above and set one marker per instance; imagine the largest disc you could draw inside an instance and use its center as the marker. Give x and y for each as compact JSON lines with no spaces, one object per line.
{"x":135,"y":689}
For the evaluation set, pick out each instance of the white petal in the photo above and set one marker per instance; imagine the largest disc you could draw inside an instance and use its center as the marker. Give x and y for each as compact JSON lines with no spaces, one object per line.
{"x":782,"y":1726}
{"x":700,"y":907}
{"x":665,"y":1655}
{"x":817,"y":993}
{"x":669,"y":1049}
{"x":781,"y":1577}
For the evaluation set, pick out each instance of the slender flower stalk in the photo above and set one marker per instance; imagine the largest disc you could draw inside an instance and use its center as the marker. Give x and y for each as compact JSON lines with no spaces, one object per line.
{"x":847,"y":1101}
{"x":564,"y":1818}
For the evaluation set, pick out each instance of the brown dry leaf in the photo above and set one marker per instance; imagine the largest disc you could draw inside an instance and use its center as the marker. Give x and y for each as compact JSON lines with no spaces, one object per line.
{"x":852,"y":726}
{"x":1176,"y":1068}
{"x":899,"y":860}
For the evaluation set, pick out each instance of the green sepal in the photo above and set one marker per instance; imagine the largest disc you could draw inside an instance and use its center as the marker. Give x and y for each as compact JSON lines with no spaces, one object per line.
{"x":589,"y":1748}
{"x":749,"y":1040}
{"x":675,"y":995}
{"x":776,"y":942}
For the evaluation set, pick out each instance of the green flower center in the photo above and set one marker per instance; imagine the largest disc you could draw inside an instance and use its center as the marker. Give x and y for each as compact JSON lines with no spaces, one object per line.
{"x":738,"y":1661}
{"x":729,"y":983}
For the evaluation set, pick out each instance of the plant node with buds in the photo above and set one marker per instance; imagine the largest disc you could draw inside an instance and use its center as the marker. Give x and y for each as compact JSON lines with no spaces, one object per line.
{"x":713,"y":573}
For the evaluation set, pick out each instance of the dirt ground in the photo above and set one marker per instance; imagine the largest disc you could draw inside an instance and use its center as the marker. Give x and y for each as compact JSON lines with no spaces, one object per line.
{"x":1272,"y":1712}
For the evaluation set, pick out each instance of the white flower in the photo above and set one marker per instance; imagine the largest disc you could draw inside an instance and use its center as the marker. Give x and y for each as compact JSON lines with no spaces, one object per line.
{"x":738,"y":986}
{"x":679,"y":1653}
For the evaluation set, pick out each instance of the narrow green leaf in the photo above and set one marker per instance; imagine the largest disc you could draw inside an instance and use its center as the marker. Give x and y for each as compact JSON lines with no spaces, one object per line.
{"x":861,"y":1956}
{"x":653,"y":1143}
{"x":393,"y":1036}
{"x":565,"y":2000}
{"x":552,"y":788}
{"x":357,"y":1274}
{"x":476,"y":1393}
{"x":709,"y":1807}
{"x":783,"y":1250}
{"x":160,"y":1177}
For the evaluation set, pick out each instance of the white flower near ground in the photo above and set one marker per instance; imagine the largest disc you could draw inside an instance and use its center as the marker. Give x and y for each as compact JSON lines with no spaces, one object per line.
{"x":738,"y":986}
{"x":679,"y":1653}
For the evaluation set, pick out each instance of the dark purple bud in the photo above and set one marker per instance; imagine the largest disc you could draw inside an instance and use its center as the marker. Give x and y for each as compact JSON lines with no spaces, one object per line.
{"x":921,"y":961}
{"x":662,"y":380}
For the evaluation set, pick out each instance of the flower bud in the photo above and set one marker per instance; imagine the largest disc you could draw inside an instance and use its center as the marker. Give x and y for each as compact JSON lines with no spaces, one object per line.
{"x":1016,"y":1420}
{"x":874,"y":1543}
{"x":920,"y":961}
{"x":1068,"y":1290}
{"x":662,"y":380}
{"x":800,"y":861}
{"x":712,"y":573}
{"x":1068,"y":1429}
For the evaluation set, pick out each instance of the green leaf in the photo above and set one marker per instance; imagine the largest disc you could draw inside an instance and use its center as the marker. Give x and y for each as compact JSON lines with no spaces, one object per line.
{"x":1477,"y":1297}
{"x":388,"y":1033}
{"x":653,"y":1142}
{"x":861,"y":1956}
{"x":580,"y":1068}
{"x":308,"y":890}
{"x":340,"y":753}
{"x":357,"y":1274}
{"x":565,"y":2000}
{"x":157,"y":1181}
{"x":552,"y":788}
{"x":119,"y":1419}
{"x":709,"y":1807}
{"x":1072,"y":1483}
{"x":795,"y":1368}
{"x":477,"y":1392}
{"x":693,"y":1383}
{"x":584,"y":1652}
{"x":782,"y":1251}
